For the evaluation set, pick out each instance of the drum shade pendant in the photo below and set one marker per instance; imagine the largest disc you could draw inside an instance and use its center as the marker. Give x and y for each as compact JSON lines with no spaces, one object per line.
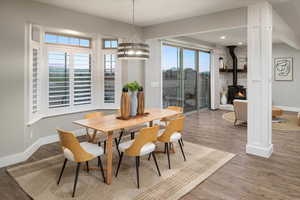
{"x":131,"y":49}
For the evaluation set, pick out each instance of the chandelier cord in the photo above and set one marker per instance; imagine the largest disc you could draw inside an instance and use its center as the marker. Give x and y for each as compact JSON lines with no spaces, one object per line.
{"x":133,"y":12}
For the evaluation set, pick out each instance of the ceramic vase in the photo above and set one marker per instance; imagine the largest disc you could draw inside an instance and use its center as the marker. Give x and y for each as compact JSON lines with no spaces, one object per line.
{"x":134,"y":103}
{"x":223,"y":99}
{"x":125,"y":104}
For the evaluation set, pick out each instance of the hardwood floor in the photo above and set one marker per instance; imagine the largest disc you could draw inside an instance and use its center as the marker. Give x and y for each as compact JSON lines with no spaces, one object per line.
{"x":244,"y":177}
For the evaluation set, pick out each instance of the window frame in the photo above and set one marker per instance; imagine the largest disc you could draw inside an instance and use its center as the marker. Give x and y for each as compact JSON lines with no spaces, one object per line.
{"x":109,"y":39}
{"x":71,"y":108}
{"x":97,"y":76}
{"x":71,"y":36}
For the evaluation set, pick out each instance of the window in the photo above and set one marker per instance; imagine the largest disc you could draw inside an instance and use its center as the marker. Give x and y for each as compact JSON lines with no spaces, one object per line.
{"x":109,"y":78}
{"x":70,"y":79}
{"x":67,"y":75}
{"x":52,"y":38}
{"x":110,"y":44}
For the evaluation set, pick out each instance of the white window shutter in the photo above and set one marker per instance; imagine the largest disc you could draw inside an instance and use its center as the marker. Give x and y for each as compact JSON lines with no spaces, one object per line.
{"x":112,"y":80}
{"x":82,"y":79}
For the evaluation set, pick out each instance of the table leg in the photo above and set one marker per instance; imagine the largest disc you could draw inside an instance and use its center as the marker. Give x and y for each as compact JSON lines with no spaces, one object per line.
{"x":109,"y":154}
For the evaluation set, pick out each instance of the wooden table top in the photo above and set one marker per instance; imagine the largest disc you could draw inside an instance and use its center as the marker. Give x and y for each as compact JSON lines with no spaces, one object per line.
{"x":109,"y":123}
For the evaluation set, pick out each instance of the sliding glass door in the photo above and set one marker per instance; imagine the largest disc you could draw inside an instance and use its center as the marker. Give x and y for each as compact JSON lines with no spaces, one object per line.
{"x":186,"y":77}
{"x":204,"y":80}
{"x":189,"y":80}
{"x":172,"y":95}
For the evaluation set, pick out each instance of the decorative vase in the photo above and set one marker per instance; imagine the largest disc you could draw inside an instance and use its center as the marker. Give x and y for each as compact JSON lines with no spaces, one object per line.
{"x":141,"y":101}
{"x":223,"y":99}
{"x":134,"y":102}
{"x":125,"y":104}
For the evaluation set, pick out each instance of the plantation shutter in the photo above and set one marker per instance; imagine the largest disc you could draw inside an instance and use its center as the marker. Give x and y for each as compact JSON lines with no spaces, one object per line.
{"x":109,"y":78}
{"x":35,"y":81}
{"x":82,"y":79}
{"x":59,"y":79}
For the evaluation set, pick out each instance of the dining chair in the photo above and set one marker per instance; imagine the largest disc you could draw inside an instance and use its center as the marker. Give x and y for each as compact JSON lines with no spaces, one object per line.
{"x":166,"y":120}
{"x":171,"y":134}
{"x":174,"y":108}
{"x":142,"y":145}
{"x":78,"y":153}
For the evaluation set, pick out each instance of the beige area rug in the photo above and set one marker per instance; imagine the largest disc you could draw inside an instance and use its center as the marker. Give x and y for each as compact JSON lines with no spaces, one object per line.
{"x":38,"y":179}
{"x":290,"y":122}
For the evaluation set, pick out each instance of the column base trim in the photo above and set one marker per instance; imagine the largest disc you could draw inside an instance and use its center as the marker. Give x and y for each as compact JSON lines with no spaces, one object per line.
{"x":259,"y":151}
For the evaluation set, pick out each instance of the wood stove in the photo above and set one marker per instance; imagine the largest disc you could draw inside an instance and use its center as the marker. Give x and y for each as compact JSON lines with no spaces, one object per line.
{"x":235,"y":91}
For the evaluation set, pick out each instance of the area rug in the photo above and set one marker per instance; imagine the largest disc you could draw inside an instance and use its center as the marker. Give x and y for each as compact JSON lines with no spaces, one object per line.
{"x":38,"y":179}
{"x":289,"y":121}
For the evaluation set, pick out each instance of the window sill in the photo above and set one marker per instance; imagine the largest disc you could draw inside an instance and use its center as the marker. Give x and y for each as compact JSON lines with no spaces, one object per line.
{"x":62,"y":113}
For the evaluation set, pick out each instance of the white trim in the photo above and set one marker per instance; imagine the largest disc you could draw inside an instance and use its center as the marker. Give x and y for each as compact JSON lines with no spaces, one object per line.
{"x":229,"y":107}
{"x":290,"y":109}
{"x":23,"y":156}
{"x":259,"y":151}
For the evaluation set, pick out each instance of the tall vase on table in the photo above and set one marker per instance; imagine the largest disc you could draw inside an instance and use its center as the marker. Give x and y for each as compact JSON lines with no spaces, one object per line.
{"x":125,"y":104}
{"x":141,"y":101}
{"x":133,"y":88}
{"x":134,"y":103}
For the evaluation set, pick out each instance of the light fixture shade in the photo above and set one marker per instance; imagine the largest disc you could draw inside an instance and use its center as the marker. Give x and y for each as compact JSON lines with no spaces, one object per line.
{"x":137,"y":51}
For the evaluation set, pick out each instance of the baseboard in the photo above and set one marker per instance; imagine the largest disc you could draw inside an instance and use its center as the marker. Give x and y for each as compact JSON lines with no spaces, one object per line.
{"x":259,"y":151}
{"x":23,"y":156}
{"x":228,"y":107}
{"x":287,"y":108}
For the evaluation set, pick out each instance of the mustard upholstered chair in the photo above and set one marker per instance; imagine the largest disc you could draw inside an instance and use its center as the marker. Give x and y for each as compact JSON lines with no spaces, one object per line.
{"x":78,"y":153}
{"x":166,"y":120}
{"x":175,"y":108}
{"x":171,"y":134}
{"x":142,"y":145}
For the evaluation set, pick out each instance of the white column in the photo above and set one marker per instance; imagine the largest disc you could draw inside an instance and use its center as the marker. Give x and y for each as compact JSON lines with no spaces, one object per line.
{"x":215,"y":79}
{"x":259,"y":141}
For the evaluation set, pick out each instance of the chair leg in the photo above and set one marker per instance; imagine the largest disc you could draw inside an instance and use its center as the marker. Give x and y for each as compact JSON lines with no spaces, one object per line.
{"x":235,"y":122}
{"x":119,"y":164}
{"x":179,"y":141}
{"x":87,"y":167}
{"x":154,"y":158}
{"x":149,"y":157}
{"x":165,"y":148}
{"x":137,"y":165}
{"x":132,"y":135}
{"x":76,"y":179}
{"x":101,"y":167}
{"x":168,"y":154}
{"x":120,"y":137}
{"x":99,"y":144}
{"x":104,"y":146}
{"x":117,"y":146}
{"x":62,"y":171}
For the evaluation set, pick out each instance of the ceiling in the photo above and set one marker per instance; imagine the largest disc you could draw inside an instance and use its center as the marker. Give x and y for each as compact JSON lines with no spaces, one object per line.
{"x":150,"y":12}
{"x":290,"y":12}
{"x":236,"y":36}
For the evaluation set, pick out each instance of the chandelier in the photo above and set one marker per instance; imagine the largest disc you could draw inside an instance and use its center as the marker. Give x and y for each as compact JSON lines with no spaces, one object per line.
{"x":132,"y":49}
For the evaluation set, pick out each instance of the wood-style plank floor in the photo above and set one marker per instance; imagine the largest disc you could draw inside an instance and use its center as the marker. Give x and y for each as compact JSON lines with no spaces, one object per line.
{"x":244,"y":177}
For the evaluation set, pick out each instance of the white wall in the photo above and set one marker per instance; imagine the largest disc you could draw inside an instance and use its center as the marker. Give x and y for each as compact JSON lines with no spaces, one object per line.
{"x":153,"y":84}
{"x":14,"y":14}
{"x":286,"y":93}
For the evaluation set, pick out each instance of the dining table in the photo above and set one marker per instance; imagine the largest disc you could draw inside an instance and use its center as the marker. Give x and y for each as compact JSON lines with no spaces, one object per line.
{"x":111,"y":124}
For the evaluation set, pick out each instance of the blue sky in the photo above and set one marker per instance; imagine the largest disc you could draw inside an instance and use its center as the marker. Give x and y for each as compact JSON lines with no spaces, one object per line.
{"x":171,"y":55}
